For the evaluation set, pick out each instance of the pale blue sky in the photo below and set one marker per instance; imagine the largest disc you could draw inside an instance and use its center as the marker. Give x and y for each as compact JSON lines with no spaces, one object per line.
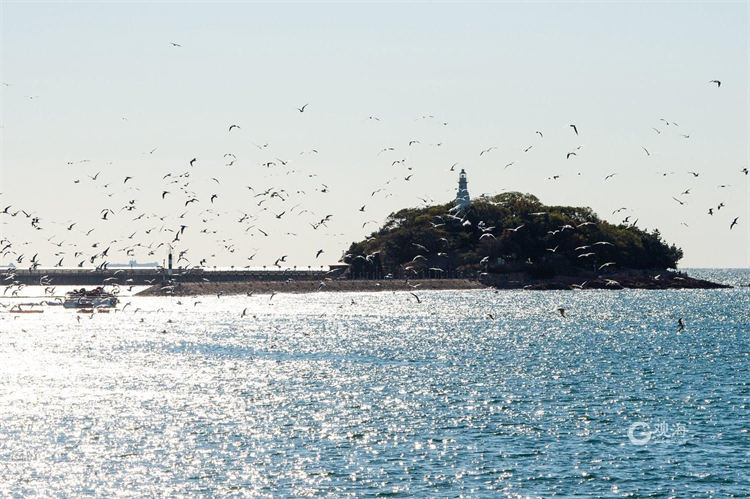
{"x":107,"y":86}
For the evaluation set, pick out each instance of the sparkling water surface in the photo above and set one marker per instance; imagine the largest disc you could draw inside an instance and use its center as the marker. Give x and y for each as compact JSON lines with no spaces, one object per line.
{"x":374,"y":393}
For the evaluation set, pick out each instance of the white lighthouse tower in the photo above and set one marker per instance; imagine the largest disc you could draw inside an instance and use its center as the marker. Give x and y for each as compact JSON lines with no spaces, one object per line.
{"x":462,"y":195}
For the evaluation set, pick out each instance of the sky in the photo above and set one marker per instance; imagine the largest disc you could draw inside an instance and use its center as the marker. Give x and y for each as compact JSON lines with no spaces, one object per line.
{"x":93,"y":88}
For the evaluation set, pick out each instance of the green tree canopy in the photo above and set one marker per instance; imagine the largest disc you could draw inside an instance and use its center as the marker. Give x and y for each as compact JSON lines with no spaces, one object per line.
{"x":508,"y":232}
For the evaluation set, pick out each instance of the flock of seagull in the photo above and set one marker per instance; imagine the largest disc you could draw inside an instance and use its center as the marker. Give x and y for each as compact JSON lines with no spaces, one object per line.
{"x":191,"y":195}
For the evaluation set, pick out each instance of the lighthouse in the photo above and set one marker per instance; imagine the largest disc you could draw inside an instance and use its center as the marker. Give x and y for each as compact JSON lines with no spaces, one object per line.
{"x":462,"y":195}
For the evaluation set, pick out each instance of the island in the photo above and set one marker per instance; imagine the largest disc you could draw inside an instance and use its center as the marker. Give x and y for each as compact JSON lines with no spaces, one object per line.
{"x":512,"y":240}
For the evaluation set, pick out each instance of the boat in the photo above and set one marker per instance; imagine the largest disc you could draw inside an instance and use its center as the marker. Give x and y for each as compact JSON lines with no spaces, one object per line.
{"x":95,"y":298}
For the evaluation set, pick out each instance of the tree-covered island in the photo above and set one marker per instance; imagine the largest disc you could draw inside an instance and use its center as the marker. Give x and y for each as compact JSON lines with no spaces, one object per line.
{"x":513,"y":240}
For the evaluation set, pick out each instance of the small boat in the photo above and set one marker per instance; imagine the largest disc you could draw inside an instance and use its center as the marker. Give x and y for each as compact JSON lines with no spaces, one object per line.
{"x":95,"y":298}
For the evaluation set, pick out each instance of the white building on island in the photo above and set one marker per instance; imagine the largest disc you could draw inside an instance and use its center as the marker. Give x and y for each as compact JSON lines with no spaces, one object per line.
{"x":462,"y":195}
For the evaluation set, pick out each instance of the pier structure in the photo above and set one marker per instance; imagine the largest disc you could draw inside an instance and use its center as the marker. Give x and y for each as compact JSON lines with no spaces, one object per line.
{"x":148,"y":276}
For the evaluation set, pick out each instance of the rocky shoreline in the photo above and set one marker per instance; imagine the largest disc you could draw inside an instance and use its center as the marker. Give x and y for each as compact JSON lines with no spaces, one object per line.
{"x":621,"y":280}
{"x":306,"y":286}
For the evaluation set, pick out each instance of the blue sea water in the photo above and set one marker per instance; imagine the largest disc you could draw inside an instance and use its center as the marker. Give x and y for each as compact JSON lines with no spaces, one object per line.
{"x":374,"y":393}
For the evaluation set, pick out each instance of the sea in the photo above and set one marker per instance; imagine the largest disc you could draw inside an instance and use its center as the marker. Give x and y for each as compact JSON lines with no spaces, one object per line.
{"x":446,"y":393}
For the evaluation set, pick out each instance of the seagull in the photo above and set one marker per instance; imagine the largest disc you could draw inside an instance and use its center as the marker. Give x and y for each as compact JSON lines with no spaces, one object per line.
{"x":318,"y":253}
{"x":574,"y":129}
{"x":244,"y":313}
{"x":192,"y":161}
{"x":233,"y":126}
{"x":415,"y":296}
{"x":302,"y":109}
{"x":647,"y":153}
{"x":718,"y":83}
{"x":567,"y":156}
{"x":710,"y":211}
{"x":560,"y":309}
{"x":540,"y":134}
{"x":734,"y":222}
{"x":610,"y":176}
{"x":694,"y":174}
{"x":681,"y":202}
{"x":744,"y":170}
{"x":175,"y":44}
{"x":487,"y":150}
{"x":680,"y":325}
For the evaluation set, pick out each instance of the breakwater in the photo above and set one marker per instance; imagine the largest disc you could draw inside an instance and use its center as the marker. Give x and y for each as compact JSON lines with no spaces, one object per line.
{"x":151,"y":276}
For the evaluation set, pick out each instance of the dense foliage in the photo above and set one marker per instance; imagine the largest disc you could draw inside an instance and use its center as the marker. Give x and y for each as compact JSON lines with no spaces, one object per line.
{"x":509,"y":232}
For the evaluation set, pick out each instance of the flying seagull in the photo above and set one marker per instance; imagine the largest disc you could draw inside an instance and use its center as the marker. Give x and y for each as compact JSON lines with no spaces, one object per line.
{"x":734,"y":222}
{"x":233,"y":126}
{"x":302,"y":109}
{"x":574,"y":129}
{"x":718,"y":83}
{"x":175,"y":44}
